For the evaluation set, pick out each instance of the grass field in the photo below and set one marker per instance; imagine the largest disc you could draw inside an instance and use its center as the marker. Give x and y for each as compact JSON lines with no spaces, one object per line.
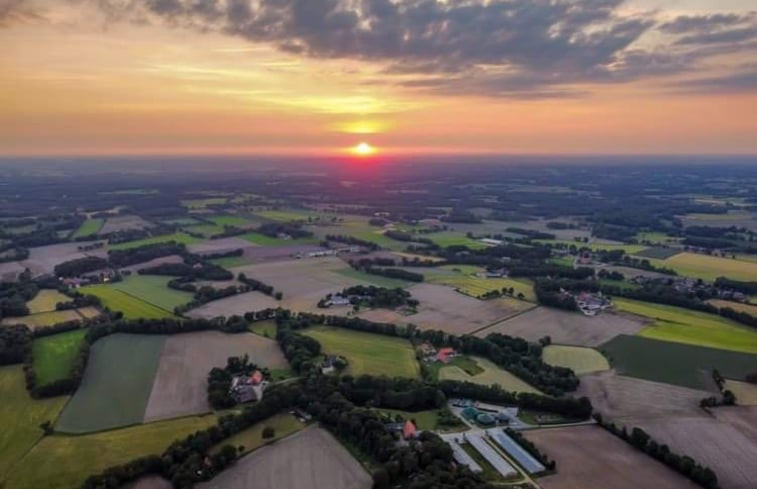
{"x":464,"y":279}
{"x":736,"y":306}
{"x":43,"y":319}
{"x":450,"y":238}
{"x":154,"y":290}
{"x":206,"y":230}
{"x":203,"y":203}
{"x":577,"y":358}
{"x":691,"y":327}
{"x":368,"y":353}
{"x":424,"y":420}
{"x":263,"y":240}
{"x":675,"y":363}
{"x":54,"y":355}
{"x":116,"y":384}
{"x":288,"y":215}
{"x":88,"y":228}
{"x":491,"y":374}
{"x":656,"y":238}
{"x":231,"y":261}
{"x":377,"y":280}
{"x":132,"y":307}
{"x":228,"y":220}
{"x":252,"y":438}
{"x":264,"y":328}
{"x":20,"y":417}
{"x":177,"y":237}
{"x":45,"y":301}
{"x":64,"y":462}
{"x":183,"y":221}
{"x":711,"y":267}
{"x":658,"y":253}
{"x":628,"y":248}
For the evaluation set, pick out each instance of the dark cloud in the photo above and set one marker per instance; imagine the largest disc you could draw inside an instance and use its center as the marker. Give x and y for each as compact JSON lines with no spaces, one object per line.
{"x":745,"y":81}
{"x":17,"y":11}
{"x":703,"y":23}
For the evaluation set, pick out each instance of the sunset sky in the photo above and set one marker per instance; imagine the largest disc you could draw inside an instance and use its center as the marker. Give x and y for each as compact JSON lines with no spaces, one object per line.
{"x":405,"y":76}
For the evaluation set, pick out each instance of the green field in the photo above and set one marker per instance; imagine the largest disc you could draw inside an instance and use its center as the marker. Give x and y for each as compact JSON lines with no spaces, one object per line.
{"x":64,"y":462}
{"x":183,"y":221}
{"x":231,"y":261}
{"x":691,"y":327}
{"x":656,"y":238}
{"x":54,"y":355}
{"x":20,"y":417}
{"x":263,"y":240}
{"x":116,"y":384}
{"x":658,"y":253}
{"x":45,"y":301}
{"x":43,"y":319}
{"x":264,"y":328}
{"x":252,"y":437}
{"x":228,"y":220}
{"x":451,"y":238}
{"x":675,"y":363}
{"x":180,"y":238}
{"x":711,"y":267}
{"x":289,"y":215}
{"x":465,"y":279}
{"x":89,"y":227}
{"x":377,"y":280}
{"x":424,"y":420}
{"x":580,"y":359}
{"x":368,"y":353}
{"x":491,"y":374}
{"x":154,"y":290}
{"x":205,"y":230}
{"x":203,"y":203}
{"x":132,"y":307}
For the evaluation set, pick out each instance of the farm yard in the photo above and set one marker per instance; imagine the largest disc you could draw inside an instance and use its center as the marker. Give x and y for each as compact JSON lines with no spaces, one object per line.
{"x":368,"y":353}
{"x":565,"y":327}
{"x":179,"y":388}
{"x":116,"y":384}
{"x":321,"y":461}
{"x":600,"y":460}
{"x":132,"y":307}
{"x":491,"y":374}
{"x":675,"y":363}
{"x":235,"y":304}
{"x":581,"y":360}
{"x":54,"y":356}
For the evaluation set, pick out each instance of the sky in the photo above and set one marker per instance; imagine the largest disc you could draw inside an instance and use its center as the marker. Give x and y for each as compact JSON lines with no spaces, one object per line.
{"x":416,"y":77}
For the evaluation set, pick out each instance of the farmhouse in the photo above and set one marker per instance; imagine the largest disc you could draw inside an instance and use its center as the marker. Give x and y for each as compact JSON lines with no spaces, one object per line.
{"x":246,"y":388}
{"x":444,"y":355}
{"x":592,"y":304}
{"x":491,"y":242}
{"x":338,"y":300}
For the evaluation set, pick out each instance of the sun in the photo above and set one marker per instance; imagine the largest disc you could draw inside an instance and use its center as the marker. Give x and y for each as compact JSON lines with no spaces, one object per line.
{"x":363,"y":149}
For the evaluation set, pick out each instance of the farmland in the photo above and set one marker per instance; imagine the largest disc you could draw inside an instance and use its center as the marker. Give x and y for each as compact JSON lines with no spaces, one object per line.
{"x":64,"y":462}
{"x":116,"y":384}
{"x":491,"y":374}
{"x":368,"y":353}
{"x":630,"y":249}
{"x":658,"y":253}
{"x":691,"y":327}
{"x":124,"y":223}
{"x":466,"y":279}
{"x":45,"y":301}
{"x":43,"y":319}
{"x":235,"y":304}
{"x":711,"y":267}
{"x":321,"y":462}
{"x":229,"y":220}
{"x":736,"y":306}
{"x":205,"y":230}
{"x":746,"y":393}
{"x":89,"y":227}
{"x":181,"y":238}
{"x":368,"y":278}
{"x":581,"y":360}
{"x":252,"y":438}
{"x":20,"y":417}
{"x":263,"y":240}
{"x":195,"y":204}
{"x":600,"y":460}
{"x":54,"y":355}
{"x":675,"y":363}
{"x":153,"y":290}
{"x":131,"y":306}
{"x":448,"y":238}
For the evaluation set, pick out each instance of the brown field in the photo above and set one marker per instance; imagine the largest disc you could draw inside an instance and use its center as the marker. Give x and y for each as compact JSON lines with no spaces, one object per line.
{"x":736,"y":306}
{"x":263,"y":254}
{"x":44,"y":319}
{"x":236,"y":304}
{"x":746,"y":393}
{"x":44,"y":258}
{"x":124,"y":223}
{"x":180,"y":383}
{"x":155,"y":262}
{"x":443,"y":308}
{"x":588,"y":457}
{"x":310,"y":459}
{"x":567,"y":328}
{"x":619,"y":397}
{"x":10,"y":270}
{"x":219,"y":246}
{"x":307,"y":277}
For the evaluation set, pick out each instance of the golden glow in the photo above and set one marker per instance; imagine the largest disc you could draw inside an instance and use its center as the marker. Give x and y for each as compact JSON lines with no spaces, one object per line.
{"x":363,"y":149}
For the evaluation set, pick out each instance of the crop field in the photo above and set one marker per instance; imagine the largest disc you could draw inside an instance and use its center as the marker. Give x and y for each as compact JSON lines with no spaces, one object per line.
{"x":20,"y":417}
{"x":206,"y":230}
{"x":321,"y":461}
{"x":746,"y":393}
{"x":154,"y":290}
{"x":736,"y":306}
{"x":368,"y":353}
{"x":711,"y":267}
{"x":43,"y":259}
{"x":116,"y":384}
{"x":450,"y":238}
{"x":131,"y":306}
{"x":180,"y":386}
{"x":675,"y":363}
{"x":231,"y":262}
{"x":252,"y":438}
{"x":44,"y":319}
{"x":180,"y":238}
{"x":45,"y":301}
{"x":229,"y":220}
{"x":566,"y":328}
{"x":64,"y":461}
{"x":368,"y":278}
{"x":54,"y":355}
{"x":658,"y":253}
{"x":235,"y":304}
{"x":590,"y":457}
{"x":580,"y":359}
{"x":691,"y":327}
{"x":89,"y":227}
{"x":491,"y":374}
{"x":466,"y":280}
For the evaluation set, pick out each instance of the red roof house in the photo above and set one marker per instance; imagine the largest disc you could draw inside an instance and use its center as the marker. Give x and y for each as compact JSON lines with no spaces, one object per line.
{"x":257,"y":377}
{"x":409,"y":430}
{"x":445,"y":354}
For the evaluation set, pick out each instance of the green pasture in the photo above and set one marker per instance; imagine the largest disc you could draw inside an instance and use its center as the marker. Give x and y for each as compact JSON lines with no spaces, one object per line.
{"x":490,"y":374}
{"x":180,"y":238}
{"x":54,"y":355}
{"x":45,"y":301}
{"x":581,"y":360}
{"x":131,"y":306}
{"x":89,"y":227}
{"x":263,"y":240}
{"x":154,"y":290}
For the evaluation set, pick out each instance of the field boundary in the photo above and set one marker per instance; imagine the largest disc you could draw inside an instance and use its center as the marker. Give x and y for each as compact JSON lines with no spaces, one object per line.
{"x":503,"y":319}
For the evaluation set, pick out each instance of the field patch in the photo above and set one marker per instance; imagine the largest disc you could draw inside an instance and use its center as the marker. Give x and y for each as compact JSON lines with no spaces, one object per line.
{"x":491,"y":374}
{"x":630,"y":249}
{"x":736,"y":306}
{"x":691,"y":327}
{"x":154,"y":290}
{"x":470,"y":280}
{"x":20,"y":416}
{"x":124,"y":223}
{"x":310,"y":459}
{"x":368,"y":353}
{"x":131,"y":306}
{"x":45,"y":301}
{"x":90,"y":227}
{"x":675,"y":363}
{"x":235,"y":304}
{"x":43,"y":259}
{"x":566,"y":328}
{"x":116,"y":384}
{"x":746,"y":393}
{"x":180,"y":386}
{"x":658,"y":252}
{"x":44,"y":319}
{"x":369,"y":278}
{"x":54,"y":355}
{"x":590,"y":457}
{"x":252,"y":438}
{"x":180,"y":238}
{"x":711,"y":267}
{"x":580,"y":359}
{"x":451,"y":238}
{"x":65,"y":462}
{"x":205,"y":230}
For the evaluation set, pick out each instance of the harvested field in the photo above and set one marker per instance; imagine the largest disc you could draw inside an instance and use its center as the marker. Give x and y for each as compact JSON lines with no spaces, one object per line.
{"x":566,"y":327}
{"x":746,"y":393}
{"x":321,"y":462}
{"x":131,"y":306}
{"x":154,"y":290}
{"x":44,"y":319}
{"x":580,"y":359}
{"x":491,"y":374}
{"x":54,"y":355}
{"x":675,"y":363}
{"x":469,"y":280}
{"x":218,"y":246}
{"x":736,"y":306}
{"x":124,"y":223}
{"x":116,"y":384}
{"x":368,"y":353}
{"x":711,"y":267}
{"x":154,"y":263}
{"x":589,"y":457}
{"x":45,"y":301}
{"x":180,"y":386}
{"x":235,"y":304}
{"x":43,"y":259}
